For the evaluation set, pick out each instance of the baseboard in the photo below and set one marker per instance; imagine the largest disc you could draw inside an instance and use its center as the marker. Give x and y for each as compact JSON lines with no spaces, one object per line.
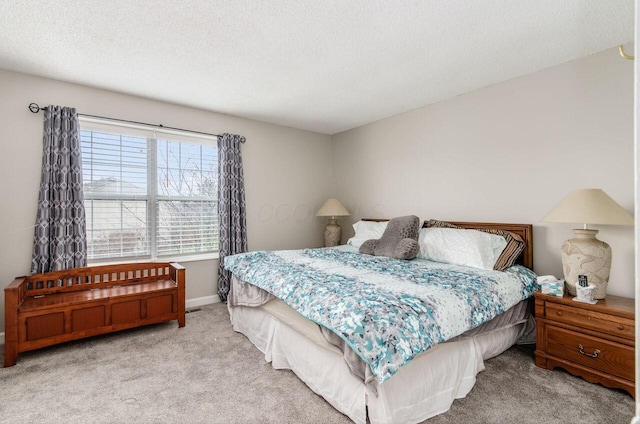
{"x":201,"y":301}
{"x":190,"y":303}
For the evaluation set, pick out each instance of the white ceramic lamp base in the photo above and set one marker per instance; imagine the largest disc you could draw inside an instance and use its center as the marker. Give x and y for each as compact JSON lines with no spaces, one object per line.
{"x":584,"y":254}
{"x":332,"y":234}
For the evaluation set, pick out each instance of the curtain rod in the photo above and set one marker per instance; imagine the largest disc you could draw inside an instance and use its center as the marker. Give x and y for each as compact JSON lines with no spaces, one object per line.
{"x":34,"y":108}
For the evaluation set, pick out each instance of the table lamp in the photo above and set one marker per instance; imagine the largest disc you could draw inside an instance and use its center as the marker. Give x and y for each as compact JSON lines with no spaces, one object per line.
{"x":584,"y":254}
{"x":332,"y":232}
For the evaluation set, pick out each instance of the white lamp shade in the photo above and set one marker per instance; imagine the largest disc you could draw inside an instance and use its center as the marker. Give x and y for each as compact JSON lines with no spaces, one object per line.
{"x":333,"y":207}
{"x":589,"y":206}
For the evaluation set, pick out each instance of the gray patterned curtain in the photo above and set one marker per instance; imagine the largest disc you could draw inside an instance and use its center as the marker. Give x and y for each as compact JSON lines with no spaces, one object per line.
{"x":60,"y":240}
{"x":232,"y":210}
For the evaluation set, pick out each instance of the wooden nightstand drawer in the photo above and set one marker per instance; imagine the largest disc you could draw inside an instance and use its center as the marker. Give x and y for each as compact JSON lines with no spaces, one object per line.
{"x":603,"y":355}
{"x":609,"y":324}
{"x":569,"y":333}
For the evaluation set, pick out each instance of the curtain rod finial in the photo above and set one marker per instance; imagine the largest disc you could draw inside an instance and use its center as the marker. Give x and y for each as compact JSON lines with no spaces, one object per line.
{"x":34,"y":108}
{"x":624,"y":54}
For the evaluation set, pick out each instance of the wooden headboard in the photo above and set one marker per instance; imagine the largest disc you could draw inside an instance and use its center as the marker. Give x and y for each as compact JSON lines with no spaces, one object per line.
{"x":523,"y":230}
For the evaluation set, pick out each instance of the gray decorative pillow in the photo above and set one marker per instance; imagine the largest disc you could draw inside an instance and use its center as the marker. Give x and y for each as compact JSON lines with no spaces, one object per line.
{"x":399,"y":240}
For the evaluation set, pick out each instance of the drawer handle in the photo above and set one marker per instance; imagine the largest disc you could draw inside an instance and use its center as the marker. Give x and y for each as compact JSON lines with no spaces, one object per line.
{"x":591,"y":355}
{"x":559,"y":313}
{"x":621,"y":327}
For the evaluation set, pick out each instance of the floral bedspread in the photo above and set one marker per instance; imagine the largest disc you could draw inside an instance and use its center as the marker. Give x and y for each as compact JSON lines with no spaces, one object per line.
{"x":387,"y":310}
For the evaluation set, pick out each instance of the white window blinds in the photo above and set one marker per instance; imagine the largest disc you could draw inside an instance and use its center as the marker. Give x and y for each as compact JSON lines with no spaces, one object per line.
{"x":148,"y":194}
{"x":186,"y":213}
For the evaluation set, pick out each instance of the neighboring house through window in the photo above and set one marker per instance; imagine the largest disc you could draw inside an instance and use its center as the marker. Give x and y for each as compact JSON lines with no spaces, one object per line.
{"x":148,"y":193}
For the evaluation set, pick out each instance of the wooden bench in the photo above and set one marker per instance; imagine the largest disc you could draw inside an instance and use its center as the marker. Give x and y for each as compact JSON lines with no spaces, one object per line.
{"x":55,"y":307}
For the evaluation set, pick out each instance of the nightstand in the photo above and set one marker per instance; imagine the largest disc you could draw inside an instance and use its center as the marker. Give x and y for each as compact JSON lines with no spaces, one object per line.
{"x":595,"y":342}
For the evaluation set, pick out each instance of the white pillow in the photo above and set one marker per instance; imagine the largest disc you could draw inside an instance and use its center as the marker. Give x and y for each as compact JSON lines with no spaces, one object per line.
{"x":366,"y":230}
{"x":461,"y":247}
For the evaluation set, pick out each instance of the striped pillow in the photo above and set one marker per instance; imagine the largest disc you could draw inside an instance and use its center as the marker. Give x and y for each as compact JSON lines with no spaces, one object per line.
{"x":508,"y":257}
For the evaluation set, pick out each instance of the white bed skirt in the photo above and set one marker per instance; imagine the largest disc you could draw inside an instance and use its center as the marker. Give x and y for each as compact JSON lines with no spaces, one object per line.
{"x":425,"y":387}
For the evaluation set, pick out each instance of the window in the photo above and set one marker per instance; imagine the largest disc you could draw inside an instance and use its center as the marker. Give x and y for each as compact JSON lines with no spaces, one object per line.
{"x":148,"y":194}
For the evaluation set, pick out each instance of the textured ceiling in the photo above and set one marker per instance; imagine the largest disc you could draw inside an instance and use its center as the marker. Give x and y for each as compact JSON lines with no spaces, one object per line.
{"x":320,"y":65}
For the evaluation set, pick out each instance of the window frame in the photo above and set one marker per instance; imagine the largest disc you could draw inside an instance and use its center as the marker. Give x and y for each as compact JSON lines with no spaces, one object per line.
{"x":152,"y":135}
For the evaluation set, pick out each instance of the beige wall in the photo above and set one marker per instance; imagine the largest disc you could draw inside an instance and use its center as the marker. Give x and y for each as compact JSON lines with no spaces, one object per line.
{"x":287,"y":171}
{"x":505,"y":153}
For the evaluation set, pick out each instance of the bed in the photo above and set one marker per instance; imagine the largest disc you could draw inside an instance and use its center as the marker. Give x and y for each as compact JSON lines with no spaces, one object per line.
{"x":369,"y":384}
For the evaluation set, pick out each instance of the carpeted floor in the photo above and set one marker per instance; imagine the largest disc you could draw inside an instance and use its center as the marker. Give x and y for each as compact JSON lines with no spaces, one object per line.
{"x":207,"y":373}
